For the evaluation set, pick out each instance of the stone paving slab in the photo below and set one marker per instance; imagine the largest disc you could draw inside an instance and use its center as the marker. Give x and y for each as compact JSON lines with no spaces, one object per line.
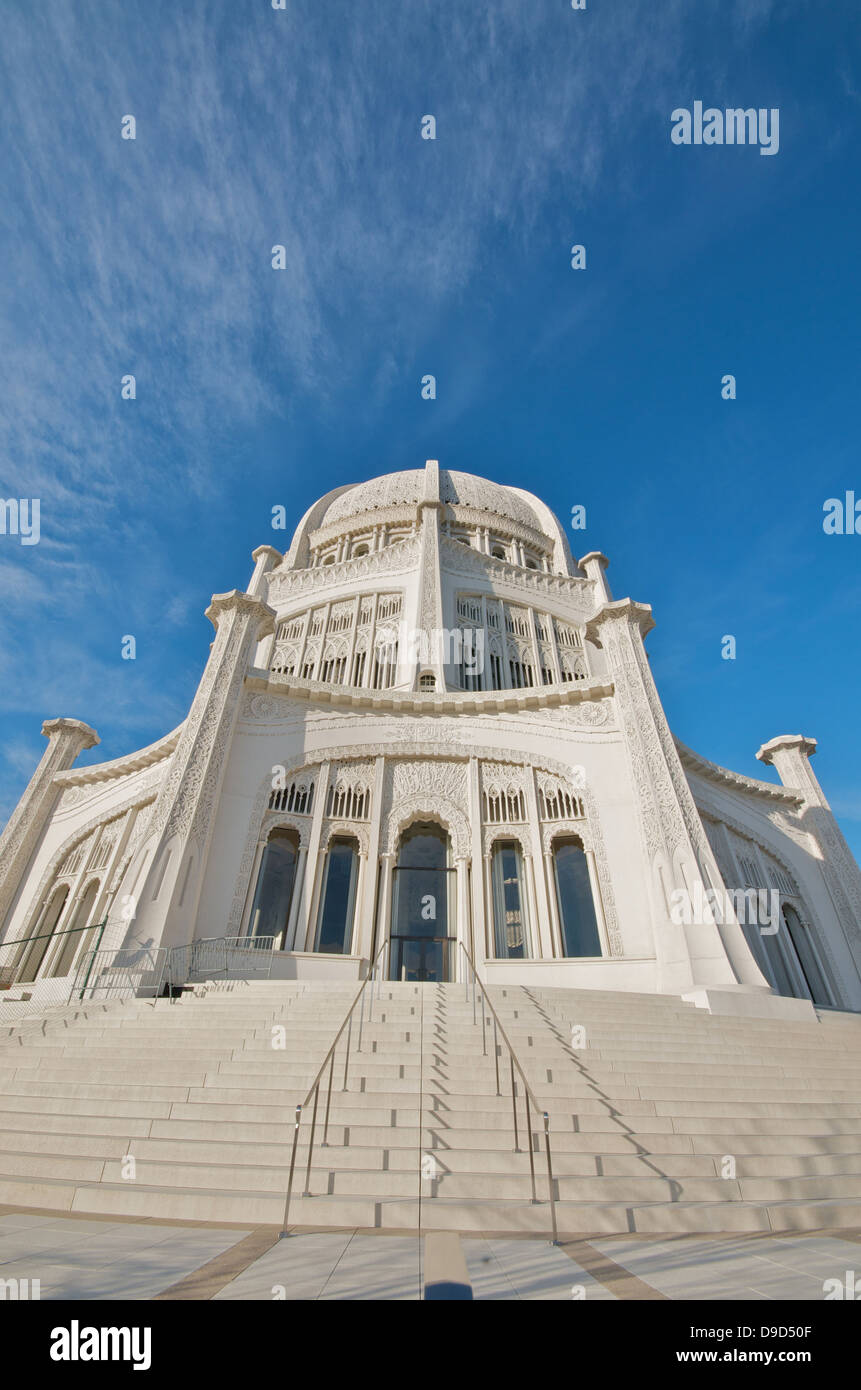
{"x":81,"y":1258}
{"x":527,"y":1269}
{"x":104,"y":1260}
{"x":334,"y":1265}
{"x":770,"y":1268}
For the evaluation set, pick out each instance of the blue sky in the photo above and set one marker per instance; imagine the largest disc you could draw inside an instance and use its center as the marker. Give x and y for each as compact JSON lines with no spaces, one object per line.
{"x":600,"y":387}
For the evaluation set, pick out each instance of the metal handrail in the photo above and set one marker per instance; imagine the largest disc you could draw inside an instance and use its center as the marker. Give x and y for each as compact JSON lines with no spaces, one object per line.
{"x":528,"y":1093}
{"x":203,"y":953}
{"x":371,"y":978}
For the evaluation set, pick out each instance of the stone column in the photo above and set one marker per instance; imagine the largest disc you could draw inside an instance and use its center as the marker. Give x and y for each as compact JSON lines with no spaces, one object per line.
{"x":290,"y":933}
{"x":180,"y":828}
{"x":66,"y":739}
{"x":543,"y":929}
{"x":305,"y":915}
{"x":316,"y":884}
{"x":462,"y":889}
{"x":490,"y":927}
{"x":698,"y":954}
{"x":593,"y":565}
{"x":558,"y":948}
{"x":430,"y":591}
{"x":479,"y":934}
{"x":603,"y":935}
{"x":790,"y":755}
{"x":361,"y":877}
{"x":532,"y":907}
{"x":384,"y":924}
{"x":365,"y":944}
{"x":265,"y":558}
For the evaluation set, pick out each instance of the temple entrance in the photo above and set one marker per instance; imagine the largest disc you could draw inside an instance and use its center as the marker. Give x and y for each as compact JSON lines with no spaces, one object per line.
{"x":422,"y":931}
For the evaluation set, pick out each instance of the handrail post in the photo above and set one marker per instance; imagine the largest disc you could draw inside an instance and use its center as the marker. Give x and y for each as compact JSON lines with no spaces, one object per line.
{"x":347,"y":1058}
{"x":529,"y":1143}
{"x":307,"y":1192}
{"x":296,"y":1125}
{"x":361,"y":1023}
{"x":93,"y":957}
{"x":514,"y":1102}
{"x":550,"y":1178}
{"x":325,"y":1139}
{"x":483,"y":1030}
{"x":496,"y":1054}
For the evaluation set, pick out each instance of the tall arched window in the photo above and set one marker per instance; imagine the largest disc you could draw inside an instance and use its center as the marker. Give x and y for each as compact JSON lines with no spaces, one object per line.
{"x":338,"y":900}
{"x":510,"y":919}
{"x":577,"y":918}
{"x":46,"y":924}
{"x":274,"y":892}
{"x":62,"y":963}
{"x":422,"y":905}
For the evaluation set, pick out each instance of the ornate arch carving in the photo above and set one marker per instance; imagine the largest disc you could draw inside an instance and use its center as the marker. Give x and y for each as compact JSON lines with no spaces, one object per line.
{"x":77,"y":837}
{"x":347,"y":830}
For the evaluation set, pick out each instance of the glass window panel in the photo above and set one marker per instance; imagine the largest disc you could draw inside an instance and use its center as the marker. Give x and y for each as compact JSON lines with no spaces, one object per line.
{"x":574,"y":896}
{"x":335,"y":931}
{"x":509,"y":903}
{"x":274,"y":887}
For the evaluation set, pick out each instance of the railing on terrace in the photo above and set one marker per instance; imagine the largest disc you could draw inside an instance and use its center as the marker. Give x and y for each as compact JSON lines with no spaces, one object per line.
{"x":228,"y":956}
{"x":120,"y":973}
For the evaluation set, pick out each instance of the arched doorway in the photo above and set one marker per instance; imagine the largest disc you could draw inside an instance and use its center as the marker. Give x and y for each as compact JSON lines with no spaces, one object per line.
{"x":423,"y":915}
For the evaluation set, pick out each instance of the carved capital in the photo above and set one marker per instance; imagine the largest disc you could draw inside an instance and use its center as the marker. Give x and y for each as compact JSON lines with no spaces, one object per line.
{"x":246,"y":605}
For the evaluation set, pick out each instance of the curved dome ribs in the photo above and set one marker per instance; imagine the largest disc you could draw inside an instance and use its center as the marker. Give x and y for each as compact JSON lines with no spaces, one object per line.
{"x":370,"y":563}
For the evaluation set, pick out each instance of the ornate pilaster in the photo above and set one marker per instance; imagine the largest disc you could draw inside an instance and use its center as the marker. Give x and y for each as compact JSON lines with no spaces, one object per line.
{"x":791,"y":755}
{"x":183,"y":814}
{"x":702,"y":953}
{"x":66,"y":739}
{"x":430,"y":590}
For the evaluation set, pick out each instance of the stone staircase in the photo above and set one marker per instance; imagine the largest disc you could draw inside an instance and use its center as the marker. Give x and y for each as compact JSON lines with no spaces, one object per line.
{"x":663,"y":1118}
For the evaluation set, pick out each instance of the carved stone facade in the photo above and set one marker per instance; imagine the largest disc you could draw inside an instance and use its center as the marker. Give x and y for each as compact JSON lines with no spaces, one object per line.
{"x":340,"y":740}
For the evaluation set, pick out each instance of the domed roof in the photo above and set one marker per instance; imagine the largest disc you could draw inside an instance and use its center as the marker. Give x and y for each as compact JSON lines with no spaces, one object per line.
{"x":408,"y":488}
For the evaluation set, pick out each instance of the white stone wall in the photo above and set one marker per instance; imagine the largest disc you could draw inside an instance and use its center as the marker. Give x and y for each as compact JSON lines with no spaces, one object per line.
{"x":191,"y":813}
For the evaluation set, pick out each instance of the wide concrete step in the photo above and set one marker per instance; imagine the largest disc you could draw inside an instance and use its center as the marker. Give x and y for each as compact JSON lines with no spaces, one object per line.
{"x":136,"y":1199}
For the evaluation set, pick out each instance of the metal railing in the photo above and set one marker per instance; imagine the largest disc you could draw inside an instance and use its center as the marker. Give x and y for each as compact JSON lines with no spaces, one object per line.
{"x":120,"y":973}
{"x":373,"y":978}
{"x":219,"y":955}
{"x":528,"y":1095}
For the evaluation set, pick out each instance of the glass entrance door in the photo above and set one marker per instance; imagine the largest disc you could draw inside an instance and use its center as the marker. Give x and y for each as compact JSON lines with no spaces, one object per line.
{"x":422,"y":899}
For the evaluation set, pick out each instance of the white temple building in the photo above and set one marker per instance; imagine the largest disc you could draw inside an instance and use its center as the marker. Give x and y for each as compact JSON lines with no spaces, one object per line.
{"x":426,"y":732}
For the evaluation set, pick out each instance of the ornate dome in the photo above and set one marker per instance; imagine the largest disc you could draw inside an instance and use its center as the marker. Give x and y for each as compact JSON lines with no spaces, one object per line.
{"x":408,"y":487}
